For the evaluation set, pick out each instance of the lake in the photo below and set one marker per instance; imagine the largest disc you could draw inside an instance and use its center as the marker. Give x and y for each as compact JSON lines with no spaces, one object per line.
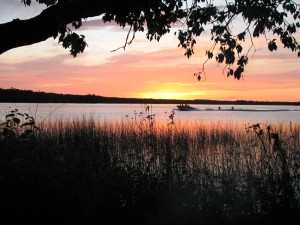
{"x":121,"y":112}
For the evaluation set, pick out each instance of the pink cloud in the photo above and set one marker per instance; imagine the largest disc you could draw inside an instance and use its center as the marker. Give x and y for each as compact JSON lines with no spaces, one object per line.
{"x":130,"y":73}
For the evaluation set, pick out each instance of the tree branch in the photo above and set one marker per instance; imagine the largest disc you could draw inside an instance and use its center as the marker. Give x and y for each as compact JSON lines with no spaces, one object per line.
{"x":19,"y":33}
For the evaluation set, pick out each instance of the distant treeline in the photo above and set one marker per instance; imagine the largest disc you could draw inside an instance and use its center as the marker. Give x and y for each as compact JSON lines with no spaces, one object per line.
{"x":28,"y":96}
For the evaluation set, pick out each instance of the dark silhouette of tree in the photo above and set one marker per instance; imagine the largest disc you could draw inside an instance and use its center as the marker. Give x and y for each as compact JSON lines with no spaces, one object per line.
{"x":261,"y":18}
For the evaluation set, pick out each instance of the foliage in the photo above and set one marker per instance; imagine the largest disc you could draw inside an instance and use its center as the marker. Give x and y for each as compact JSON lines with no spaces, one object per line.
{"x":18,"y":126}
{"x":279,"y":18}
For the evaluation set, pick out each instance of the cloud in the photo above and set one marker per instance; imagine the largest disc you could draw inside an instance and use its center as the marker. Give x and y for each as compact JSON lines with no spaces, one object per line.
{"x":96,"y":24}
{"x":275,"y":56}
{"x":164,"y":72}
{"x":161,"y":58}
{"x":14,"y":9}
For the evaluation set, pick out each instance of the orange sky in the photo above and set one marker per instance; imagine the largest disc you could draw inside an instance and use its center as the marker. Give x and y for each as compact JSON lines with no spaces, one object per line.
{"x":146,"y":69}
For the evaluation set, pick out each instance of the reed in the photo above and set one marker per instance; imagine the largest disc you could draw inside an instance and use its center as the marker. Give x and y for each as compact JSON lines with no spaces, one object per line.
{"x":84,"y":171}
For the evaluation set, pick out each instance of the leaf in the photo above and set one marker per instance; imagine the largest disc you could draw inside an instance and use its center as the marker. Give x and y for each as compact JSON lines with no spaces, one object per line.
{"x":229,"y":56}
{"x":209,"y":54}
{"x":239,"y":48}
{"x":77,"y":24}
{"x":291,"y":28}
{"x":278,"y":31}
{"x":16,"y":120}
{"x":230,"y":72}
{"x":219,"y":29}
{"x":28,"y":124}
{"x":29,"y":118}
{"x":238,"y":72}
{"x":198,"y":75}
{"x":272,"y":46}
{"x":241,"y":36}
{"x":220,"y":58}
{"x":243,"y":61}
{"x":231,"y":43}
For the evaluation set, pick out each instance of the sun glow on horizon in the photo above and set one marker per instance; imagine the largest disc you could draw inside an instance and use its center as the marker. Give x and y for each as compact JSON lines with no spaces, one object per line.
{"x":171,"y":95}
{"x":162,"y":95}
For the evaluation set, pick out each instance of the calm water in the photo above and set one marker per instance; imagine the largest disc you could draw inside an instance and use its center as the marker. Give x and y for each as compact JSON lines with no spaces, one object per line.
{"x":121,"y":112}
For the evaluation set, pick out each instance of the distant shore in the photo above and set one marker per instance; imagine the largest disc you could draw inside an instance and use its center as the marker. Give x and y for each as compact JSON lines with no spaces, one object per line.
{"x":28,"y":96}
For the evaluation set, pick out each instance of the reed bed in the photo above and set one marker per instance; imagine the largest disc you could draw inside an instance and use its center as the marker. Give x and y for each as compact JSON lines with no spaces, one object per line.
{"x":83,"y":171}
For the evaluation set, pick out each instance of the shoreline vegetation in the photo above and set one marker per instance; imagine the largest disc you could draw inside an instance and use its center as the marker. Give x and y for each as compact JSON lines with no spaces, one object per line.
{"x":84,"y":171}
{"x":28,"y":96}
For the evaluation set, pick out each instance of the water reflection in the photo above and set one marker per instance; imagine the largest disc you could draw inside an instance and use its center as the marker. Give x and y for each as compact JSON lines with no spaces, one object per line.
{"x":161,"y":112}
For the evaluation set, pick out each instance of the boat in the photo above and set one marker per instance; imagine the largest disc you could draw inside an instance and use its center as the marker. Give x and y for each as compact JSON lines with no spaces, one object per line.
{"x":185,"y":107}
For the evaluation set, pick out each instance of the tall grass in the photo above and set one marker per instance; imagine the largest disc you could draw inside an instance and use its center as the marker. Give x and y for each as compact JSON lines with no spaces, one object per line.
{"x":83,"y":171}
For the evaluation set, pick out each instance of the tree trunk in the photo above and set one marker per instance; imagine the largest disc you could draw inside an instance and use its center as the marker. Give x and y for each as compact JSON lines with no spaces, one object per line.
{"x":19,"y":33}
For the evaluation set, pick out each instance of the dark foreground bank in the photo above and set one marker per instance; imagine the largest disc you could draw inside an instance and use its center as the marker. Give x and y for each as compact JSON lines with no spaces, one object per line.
{"x":83,"y":173}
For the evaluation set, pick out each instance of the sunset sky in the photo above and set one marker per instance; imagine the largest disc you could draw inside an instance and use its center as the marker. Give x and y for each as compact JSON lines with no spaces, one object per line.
{"x":145,"y":69}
